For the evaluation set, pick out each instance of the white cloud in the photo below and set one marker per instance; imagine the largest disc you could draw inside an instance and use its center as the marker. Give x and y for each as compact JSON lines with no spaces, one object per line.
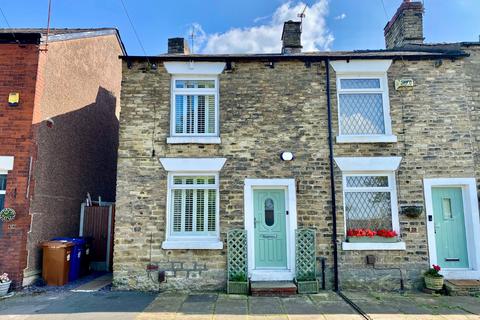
{"x":258,"y":19}
{"x":340,"y":17}
{"x":265,"y":38}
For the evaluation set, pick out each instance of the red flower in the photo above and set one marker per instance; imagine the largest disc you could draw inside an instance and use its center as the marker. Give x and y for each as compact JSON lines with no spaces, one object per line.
{"x":436,"y":267}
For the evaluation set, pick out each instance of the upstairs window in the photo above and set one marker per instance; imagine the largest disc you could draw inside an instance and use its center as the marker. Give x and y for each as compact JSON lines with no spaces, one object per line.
{"x":195,"y":106}
{"x":361,"y":106}
{"x":363,"y":102}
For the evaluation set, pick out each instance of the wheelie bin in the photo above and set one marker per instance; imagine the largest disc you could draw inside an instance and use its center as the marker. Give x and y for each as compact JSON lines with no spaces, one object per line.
{"x":78,"y":251}
{"x":56,"y":262}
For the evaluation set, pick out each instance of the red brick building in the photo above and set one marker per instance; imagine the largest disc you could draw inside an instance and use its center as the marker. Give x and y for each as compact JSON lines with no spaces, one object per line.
{"x":60,"y":141}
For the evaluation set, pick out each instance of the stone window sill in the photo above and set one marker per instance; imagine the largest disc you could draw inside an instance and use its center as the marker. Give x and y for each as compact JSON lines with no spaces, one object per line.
{"x":347,"y":246}
{"x":193,"y":244}
{"x":387,"y":138}
{"x":194,"y":140}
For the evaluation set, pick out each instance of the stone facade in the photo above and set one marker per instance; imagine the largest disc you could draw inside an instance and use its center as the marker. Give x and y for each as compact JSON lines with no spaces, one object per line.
{"x":264,"y":111}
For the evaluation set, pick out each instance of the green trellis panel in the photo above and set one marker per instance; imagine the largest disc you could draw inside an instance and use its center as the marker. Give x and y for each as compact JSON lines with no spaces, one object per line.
{"x":237,"y":253}
{"x":305,"y":260}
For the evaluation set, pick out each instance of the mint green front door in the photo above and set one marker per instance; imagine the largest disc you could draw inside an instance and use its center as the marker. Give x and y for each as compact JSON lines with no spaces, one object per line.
{"x":270,"y":229}
{"x":449,"y":219}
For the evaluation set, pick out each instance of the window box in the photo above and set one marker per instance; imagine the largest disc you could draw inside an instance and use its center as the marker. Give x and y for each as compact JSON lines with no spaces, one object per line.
{"x":307,"y":286}
{"x":369,"y":246}
{"x":238,"y":287}
{"x":374,"y":239}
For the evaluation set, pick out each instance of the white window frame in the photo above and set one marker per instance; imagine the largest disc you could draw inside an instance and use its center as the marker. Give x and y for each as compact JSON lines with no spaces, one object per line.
{"x":372,"y":166}
{"x":374,"y":69}
{"x":194,"y":71}
{"x":192,"y":167}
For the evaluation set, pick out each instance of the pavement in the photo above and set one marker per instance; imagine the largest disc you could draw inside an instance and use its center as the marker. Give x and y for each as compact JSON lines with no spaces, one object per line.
{"x":118,"y":305}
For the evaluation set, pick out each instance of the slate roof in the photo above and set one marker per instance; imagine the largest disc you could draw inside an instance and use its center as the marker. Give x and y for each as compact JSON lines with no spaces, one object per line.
{"x":407,"y":53}
{"x":38,"y":35}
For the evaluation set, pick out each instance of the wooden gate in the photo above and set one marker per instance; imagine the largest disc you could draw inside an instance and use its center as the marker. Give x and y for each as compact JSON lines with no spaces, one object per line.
{"x":96,"y":222}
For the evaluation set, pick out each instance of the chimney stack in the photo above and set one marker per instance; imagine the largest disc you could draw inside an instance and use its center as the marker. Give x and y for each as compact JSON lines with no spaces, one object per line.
{"x":178,"y":46}
{"x":406,"y":26}
{"x":291,"y":37}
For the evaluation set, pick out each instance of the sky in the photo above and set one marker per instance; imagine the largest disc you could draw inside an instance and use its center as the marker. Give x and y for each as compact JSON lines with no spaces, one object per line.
{"x":245,"y":26}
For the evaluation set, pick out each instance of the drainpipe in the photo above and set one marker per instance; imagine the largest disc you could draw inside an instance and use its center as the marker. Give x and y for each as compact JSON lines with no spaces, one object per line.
{"x":334,"y":201}
{"x":332,"y":178}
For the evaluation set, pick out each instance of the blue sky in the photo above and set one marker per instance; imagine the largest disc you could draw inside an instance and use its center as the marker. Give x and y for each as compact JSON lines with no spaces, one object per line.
{"x":247,"y":25}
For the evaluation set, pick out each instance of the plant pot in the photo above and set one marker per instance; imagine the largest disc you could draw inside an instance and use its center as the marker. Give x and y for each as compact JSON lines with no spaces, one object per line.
{"x":433,"y":283}
{"x":309,"y":286}
{"x":237,"y":287}
{"x":412,"y":211}
{"x":374,"y":239}
{"x":4,"y":286}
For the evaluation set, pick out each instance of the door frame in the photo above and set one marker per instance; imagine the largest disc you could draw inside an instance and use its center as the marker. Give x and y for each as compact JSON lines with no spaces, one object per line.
{"x":472,"y":225}
{"x":291,"y":225}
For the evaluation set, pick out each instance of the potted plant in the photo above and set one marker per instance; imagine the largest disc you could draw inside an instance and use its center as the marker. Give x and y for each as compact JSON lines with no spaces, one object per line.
{"x":433,"y":279}
{"x":237,"y":283}
{"x":7,"y":214}
{"x":412,"y":211}
{"x":307,"y":283}
{"x":4,"y":284}
{"x":368,"y":235}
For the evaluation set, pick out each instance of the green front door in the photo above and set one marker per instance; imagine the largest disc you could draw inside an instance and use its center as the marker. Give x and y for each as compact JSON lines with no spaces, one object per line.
{"x":270,"y":229}
{"x":449,"y":219}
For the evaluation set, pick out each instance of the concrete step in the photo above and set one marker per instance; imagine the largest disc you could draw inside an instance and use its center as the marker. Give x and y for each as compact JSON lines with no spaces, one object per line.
{"x":463,"y":287}
{"x":273,"y":288}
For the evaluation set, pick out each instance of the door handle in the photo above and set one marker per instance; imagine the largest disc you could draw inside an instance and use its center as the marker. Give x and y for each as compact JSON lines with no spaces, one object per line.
{"x":254,"y":222}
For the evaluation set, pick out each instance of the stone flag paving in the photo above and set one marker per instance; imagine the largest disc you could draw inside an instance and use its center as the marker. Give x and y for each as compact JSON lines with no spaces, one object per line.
{"x":118,"y":305}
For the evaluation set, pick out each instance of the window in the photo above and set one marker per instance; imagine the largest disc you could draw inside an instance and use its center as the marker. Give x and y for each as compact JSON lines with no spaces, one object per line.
{"x":194,"y":107}
{"x":194,"y":101}
{"x":363,"y":102}
{"x":370,"y":203}
{"x":192,"y":210}
{"x":3,"y":188}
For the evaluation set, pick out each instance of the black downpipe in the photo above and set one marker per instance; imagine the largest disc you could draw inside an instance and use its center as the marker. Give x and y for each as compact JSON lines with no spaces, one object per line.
{"x":336,"y":286}
{"x":332,"y":179}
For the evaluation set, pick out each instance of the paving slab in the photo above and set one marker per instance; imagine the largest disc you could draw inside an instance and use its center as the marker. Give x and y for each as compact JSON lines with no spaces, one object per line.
{"x":265,"y":308}
{"x":163,"y":307}
{"x":231,"y":308}
{"x":301,"y":307}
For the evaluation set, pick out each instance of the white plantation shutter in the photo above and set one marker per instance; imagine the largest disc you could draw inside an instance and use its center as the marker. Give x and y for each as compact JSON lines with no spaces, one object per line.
{"x":195,"y":108}
{"x":194,"y":205}
{"x":211,"y":209}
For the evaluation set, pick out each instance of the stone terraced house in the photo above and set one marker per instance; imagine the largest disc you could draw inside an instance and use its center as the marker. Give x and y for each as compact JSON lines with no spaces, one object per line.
{"x":346,"y":143}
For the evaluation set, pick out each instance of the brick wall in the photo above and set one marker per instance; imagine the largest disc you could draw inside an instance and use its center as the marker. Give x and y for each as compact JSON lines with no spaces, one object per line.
{"x":265,"y":111}
{"x":18,"y":70}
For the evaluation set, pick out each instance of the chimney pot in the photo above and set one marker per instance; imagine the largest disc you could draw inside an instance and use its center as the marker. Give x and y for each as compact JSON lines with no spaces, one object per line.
{"x":406,"y":26}
{"x":178,"y":46}
{"x":291,"y":37}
